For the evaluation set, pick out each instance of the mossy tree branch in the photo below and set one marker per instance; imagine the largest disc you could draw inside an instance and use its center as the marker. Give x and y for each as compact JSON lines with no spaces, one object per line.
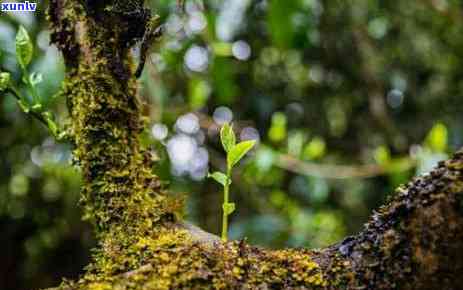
{"x":413,"y":242}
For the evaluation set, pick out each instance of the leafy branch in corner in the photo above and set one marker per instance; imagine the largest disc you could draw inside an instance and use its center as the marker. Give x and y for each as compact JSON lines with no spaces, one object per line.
{"x":33,"y":107}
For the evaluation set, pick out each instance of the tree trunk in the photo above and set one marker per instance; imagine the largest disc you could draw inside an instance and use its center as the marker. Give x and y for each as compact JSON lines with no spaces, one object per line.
{"x":413,"y":242}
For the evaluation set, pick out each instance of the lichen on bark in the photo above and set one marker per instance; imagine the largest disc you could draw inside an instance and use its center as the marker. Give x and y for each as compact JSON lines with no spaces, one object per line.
{"x":413,"y":242}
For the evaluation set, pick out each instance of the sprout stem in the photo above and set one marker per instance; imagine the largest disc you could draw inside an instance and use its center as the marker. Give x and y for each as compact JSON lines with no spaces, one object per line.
{"x":225,"y":202}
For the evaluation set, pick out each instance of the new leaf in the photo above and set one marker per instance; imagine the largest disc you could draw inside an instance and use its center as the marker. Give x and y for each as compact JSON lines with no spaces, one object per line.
{"x":5,"y":80}
{"x":24,"y":48}
{"x":228,"y":208}
{"x":227,"y":136}
{"x":35,"y":79}
{"x":220,"y":178}
{"x":238,"y":151}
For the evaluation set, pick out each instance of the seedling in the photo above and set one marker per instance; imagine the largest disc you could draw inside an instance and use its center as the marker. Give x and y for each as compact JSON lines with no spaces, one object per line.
{"x":235,"y":152}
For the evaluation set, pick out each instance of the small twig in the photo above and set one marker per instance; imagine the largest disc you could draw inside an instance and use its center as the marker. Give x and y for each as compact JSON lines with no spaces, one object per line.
{"x":33,"y":113}
{"x":40,"y":116}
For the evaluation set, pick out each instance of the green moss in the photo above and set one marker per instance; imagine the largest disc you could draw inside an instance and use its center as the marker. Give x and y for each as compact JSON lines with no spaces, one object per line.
{"x":170,"y":260}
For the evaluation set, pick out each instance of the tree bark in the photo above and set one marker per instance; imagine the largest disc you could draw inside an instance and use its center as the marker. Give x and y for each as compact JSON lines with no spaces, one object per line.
{"x":415,"y":241}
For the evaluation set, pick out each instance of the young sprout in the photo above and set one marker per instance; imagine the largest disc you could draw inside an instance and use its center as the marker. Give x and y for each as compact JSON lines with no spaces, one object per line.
{"x":235,"y":152}
{"x":24,"y":53}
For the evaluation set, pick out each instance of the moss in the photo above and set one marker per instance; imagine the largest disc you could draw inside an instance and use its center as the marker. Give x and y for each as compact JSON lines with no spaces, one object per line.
{"x":175,"y":262}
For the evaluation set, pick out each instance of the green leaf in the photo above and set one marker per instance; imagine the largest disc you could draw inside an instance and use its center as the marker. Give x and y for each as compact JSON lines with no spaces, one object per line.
{"x":228,"y":208}
{"x":24,"y":48}
{"x":238,"y":151}
{"x":437,"y":138}
{"x":227,"y":136}
{"x":5,"y":79}
{"x":219,"y":177}
{"x":35,"y":78}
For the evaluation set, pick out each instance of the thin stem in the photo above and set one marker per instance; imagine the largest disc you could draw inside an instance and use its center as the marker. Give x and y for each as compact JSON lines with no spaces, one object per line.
{"x":40,"y":116}
{"x":225,"y":203}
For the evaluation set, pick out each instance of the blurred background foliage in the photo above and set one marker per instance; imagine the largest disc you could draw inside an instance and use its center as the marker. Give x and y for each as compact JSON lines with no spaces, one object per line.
{"x":348,"y":100}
